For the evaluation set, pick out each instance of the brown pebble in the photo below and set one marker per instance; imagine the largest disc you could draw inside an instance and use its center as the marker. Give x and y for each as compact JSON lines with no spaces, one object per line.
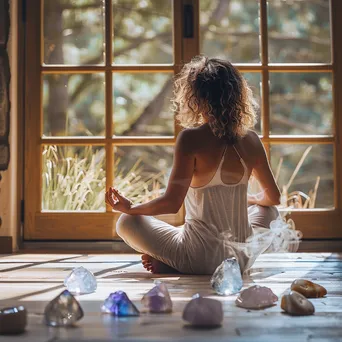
{"x":308,"y":288}
{"x":295,"y":304}
{"x":13,"y":320}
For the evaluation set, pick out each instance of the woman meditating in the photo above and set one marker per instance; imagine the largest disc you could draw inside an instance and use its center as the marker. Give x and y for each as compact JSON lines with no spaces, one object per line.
{"x":214,"y":158}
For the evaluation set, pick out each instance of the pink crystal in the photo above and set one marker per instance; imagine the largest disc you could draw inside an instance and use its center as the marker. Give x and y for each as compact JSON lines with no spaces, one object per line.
{"x":158,"y":299}
{"x":256,"y":297}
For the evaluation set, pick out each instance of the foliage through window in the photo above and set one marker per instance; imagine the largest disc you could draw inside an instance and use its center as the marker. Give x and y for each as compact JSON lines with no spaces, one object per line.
{"x":106,"y":83}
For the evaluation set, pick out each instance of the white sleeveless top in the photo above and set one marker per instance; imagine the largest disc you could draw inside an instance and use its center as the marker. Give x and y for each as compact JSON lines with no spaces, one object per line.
{"x":221,"y":206}
{"x":217,"y":227}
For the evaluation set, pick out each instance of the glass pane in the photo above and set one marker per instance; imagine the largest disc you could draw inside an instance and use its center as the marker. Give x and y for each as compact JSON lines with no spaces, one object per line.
{"x":142,"y":104}
{"x":73,"y":178}
{"x":299,"y":31}
{"x":74,"y":105}
{"x":142,"y":172}
{"x":230,"y":30}
{"x":254,"y":82}
{"x":74,"y":32}
{"x":313,"y":184}
{"x":301,"y":103}
{"x":142,"y":31}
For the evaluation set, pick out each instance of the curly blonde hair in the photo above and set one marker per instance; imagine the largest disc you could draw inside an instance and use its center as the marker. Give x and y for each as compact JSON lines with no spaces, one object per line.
{"x":213,"y":90}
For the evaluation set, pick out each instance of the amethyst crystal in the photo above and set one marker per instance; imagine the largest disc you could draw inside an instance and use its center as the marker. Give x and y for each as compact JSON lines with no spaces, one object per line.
{"x":203,"y":312}
{"x":158,"y":299}
{"x":118,"y":304}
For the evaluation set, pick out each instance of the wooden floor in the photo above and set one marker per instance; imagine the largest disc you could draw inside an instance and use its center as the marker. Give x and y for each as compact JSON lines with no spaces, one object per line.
{"x":34,"y":279}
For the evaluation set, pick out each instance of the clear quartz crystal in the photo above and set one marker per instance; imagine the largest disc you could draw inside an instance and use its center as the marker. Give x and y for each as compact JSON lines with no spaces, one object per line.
{"x":203,"y":312}
{"x":64,"y":310}
{"x":118,"y":304}
{"x":158,"y":299}
{"x":227,"y":279}
{"x":80,"y":281}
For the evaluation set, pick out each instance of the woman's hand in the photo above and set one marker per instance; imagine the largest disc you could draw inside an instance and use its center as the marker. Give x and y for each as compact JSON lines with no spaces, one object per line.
{"x":117,"y":201}
{"x":178,"y":185}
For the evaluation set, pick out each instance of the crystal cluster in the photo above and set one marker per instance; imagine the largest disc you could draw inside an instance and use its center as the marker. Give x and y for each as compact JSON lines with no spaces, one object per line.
{"x":203,"y":312}
{"x":158,"y":300}
{"x":295,"y":304}
{"x":118,"y":304}
{"x":13,"y":320}
{"x":308,"y":288}
{"x":64,"y":310}
{"x":80,"y":281}
{"x":256,"y":297}
{"x":227,"y":279}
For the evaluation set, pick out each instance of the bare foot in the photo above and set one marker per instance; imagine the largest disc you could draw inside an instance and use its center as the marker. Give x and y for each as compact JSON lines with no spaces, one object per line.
{"x":155,"y":266}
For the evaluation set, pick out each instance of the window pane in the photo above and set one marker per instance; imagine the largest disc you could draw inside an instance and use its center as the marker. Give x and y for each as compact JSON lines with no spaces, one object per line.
{"x":299,"y":31}
{"x":301,"y":103}
{"x":74,"y":32}
{"x":143,"y":31}
{"x":230,"y":30}
{"x":254,"y":82}
{"x":315,"y":176}
{"x":142,"y":172}
{"x":73,"y":178}
{"x":74,"y":105}
{"x":142,"y":104}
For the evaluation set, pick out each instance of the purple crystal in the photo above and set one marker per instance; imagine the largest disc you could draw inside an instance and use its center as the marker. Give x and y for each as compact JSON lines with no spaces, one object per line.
{"x":64,"y":310}
{"x":158,"y":299}
{"x":118,"y":304}
{"x":203,"y":312}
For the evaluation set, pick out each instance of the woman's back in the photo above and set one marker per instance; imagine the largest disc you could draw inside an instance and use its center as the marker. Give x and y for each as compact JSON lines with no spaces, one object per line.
{"x":216,"y":202}
{"x":208,"y":151}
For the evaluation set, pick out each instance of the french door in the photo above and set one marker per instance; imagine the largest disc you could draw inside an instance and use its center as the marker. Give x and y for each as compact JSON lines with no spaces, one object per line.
{"x":290,"y":53}
{"x":98,"y":85}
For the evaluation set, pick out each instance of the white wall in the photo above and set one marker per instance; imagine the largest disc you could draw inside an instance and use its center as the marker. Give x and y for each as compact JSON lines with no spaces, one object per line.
{"x":9,"y":184}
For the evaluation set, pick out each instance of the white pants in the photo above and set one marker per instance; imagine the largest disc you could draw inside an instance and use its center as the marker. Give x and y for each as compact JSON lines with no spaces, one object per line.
{"x":170,"y":245}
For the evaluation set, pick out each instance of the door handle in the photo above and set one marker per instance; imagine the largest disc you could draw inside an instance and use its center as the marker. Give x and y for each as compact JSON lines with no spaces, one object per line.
{"x":188,"y":21}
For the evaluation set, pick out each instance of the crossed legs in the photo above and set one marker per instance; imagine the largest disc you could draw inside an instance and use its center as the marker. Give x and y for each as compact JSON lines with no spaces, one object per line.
{"x":161,"y":244}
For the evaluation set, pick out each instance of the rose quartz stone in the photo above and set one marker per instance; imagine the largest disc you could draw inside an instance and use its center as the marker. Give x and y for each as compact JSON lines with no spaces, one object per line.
{"x":256,"y":297}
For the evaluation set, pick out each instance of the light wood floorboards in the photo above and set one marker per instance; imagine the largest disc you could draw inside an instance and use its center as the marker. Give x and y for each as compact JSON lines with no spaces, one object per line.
{"x":34,"y":279}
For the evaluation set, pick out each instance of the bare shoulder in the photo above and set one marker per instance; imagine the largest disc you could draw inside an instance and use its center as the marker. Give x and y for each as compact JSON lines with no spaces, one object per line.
{"x":252,"y":136}
{"x":252,"y":143}
{"x":186,"y":135}
{"x":187,"y":140}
